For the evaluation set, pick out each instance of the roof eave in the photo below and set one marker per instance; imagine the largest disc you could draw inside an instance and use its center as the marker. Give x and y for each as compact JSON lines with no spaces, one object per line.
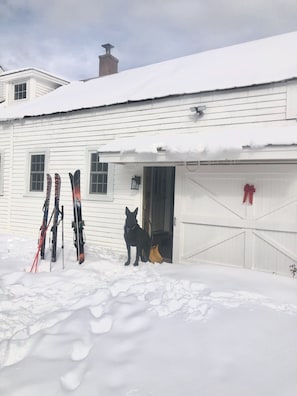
{"x":164,"y":97}
{"x":265,"y":153}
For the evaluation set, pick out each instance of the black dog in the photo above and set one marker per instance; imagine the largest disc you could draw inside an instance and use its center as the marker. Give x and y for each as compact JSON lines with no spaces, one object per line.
{"x":135,"y":236}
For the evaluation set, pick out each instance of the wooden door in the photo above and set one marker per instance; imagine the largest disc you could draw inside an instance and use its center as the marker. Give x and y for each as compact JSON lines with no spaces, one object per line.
{"x":215,"y":226}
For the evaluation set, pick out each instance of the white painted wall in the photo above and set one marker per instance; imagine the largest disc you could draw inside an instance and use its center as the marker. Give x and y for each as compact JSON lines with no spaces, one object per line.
{"x":67,"y":137}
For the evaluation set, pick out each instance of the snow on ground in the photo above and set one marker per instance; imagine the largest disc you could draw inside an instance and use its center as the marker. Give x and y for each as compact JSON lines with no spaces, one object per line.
{"x":103,"y":329}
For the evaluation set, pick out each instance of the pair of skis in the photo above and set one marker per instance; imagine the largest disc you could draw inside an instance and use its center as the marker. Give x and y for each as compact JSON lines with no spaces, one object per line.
{"x":56,"y":221}
{"x":46,"y":223}
{"x":78,"y":223}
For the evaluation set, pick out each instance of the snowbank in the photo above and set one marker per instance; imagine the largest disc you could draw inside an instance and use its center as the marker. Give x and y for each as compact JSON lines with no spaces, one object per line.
{"x":160,"y":329}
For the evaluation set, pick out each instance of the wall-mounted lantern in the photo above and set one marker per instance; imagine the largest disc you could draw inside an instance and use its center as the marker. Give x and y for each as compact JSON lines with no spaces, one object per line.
{"x":135,"y":182}
{"x":199,"y":110}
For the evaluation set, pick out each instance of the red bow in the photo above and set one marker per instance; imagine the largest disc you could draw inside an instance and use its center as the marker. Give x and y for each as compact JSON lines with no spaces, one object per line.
{"x":249,"y":190}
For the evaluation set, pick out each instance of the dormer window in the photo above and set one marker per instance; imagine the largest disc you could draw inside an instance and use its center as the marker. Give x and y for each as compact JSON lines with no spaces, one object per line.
{"x":20,"y":91}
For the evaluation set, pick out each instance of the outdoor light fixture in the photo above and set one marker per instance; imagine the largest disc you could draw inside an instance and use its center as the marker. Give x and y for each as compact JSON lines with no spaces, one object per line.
{"x":161,"y":149}
{"x":135,"y":182}
{"x":198,"y":109}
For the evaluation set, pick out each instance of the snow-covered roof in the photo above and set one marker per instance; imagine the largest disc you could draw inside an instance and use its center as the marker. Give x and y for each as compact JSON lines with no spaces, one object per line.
{"x":223,"y":143}
{"x":258,"y":62}
{"x":41,"y":72}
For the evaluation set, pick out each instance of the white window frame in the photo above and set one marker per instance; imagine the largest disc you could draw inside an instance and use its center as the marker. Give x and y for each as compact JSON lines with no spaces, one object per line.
{"x":28,"y":173}
{"x":14,"y":87}
{"x":108,"y":196}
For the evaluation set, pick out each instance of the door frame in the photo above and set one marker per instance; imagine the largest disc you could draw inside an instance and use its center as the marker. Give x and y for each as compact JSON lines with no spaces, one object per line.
{"x":158,"y":207}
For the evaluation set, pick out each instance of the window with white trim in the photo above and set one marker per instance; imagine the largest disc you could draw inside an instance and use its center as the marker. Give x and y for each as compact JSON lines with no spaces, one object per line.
{"x":37,"y":170}
{"x":20,"y":91}
{"x":100,"y":184}
{"x":98,"y":175}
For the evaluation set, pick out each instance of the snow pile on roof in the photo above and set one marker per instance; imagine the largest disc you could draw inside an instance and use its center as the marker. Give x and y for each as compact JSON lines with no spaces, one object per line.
{"x":257,"y":62}
{"x":209,"y":140}
{"x":34,"y":69}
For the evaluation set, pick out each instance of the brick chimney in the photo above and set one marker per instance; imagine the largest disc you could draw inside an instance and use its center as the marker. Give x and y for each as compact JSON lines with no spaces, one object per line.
{"x":108,"y":64}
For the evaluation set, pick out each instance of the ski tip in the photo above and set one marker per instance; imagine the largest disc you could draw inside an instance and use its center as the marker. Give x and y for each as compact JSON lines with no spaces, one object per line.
{"x":81,"y":258}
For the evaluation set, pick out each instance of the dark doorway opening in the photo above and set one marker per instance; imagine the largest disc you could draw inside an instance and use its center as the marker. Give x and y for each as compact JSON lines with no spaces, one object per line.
{"x":158,"y":207}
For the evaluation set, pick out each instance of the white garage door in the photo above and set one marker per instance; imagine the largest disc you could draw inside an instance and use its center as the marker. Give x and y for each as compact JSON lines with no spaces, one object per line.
{"x":213,"y":225}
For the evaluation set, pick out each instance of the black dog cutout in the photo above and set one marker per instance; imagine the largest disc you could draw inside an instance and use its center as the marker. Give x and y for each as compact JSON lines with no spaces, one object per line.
{"x":135,"y":236}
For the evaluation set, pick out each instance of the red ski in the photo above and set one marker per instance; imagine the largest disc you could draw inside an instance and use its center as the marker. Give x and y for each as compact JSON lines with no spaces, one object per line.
{"x":44,"y":226}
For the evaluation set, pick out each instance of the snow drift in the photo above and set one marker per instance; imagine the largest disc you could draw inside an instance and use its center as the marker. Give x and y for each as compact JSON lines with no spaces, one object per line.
{"x":160,"y":329}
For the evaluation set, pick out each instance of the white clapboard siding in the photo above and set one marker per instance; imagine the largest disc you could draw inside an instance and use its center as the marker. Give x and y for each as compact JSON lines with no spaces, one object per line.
{"x":2,"y":91}
{"x":66,"y":139}
{"x":43,"y":87}
{"x":5,"y":174}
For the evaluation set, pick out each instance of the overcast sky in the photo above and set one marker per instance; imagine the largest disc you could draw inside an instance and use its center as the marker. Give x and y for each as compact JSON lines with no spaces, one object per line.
{"x":64,"y":37}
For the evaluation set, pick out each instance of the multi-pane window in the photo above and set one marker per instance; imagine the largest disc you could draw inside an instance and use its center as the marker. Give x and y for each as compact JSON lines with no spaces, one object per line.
{"x":37,"y":172}
{"x":20,"y":91}
{"x":98,"y":175}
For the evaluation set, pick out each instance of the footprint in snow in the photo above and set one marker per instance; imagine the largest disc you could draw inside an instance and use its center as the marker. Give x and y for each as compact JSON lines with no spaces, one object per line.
{"x":72,"y":379}
{"x":80,"y":350}
{"x":96,"y":311}
{"x":102,"y":325}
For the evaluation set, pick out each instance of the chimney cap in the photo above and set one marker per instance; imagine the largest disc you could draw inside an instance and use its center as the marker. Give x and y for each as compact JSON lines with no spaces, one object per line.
{"x":107,"y":47}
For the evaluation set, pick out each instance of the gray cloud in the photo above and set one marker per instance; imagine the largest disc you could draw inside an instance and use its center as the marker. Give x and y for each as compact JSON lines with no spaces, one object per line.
{"x":64,"y":36}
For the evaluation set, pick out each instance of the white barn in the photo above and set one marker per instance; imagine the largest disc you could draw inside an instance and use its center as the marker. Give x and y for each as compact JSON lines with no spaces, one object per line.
{"x":212,"y":137}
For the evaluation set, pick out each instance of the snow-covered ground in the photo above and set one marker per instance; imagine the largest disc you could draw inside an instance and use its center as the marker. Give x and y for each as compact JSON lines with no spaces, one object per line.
{"x":103,"y":329}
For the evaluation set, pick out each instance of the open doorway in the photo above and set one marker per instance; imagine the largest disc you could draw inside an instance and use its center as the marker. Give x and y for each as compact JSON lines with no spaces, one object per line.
{"x":158,"y":207}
